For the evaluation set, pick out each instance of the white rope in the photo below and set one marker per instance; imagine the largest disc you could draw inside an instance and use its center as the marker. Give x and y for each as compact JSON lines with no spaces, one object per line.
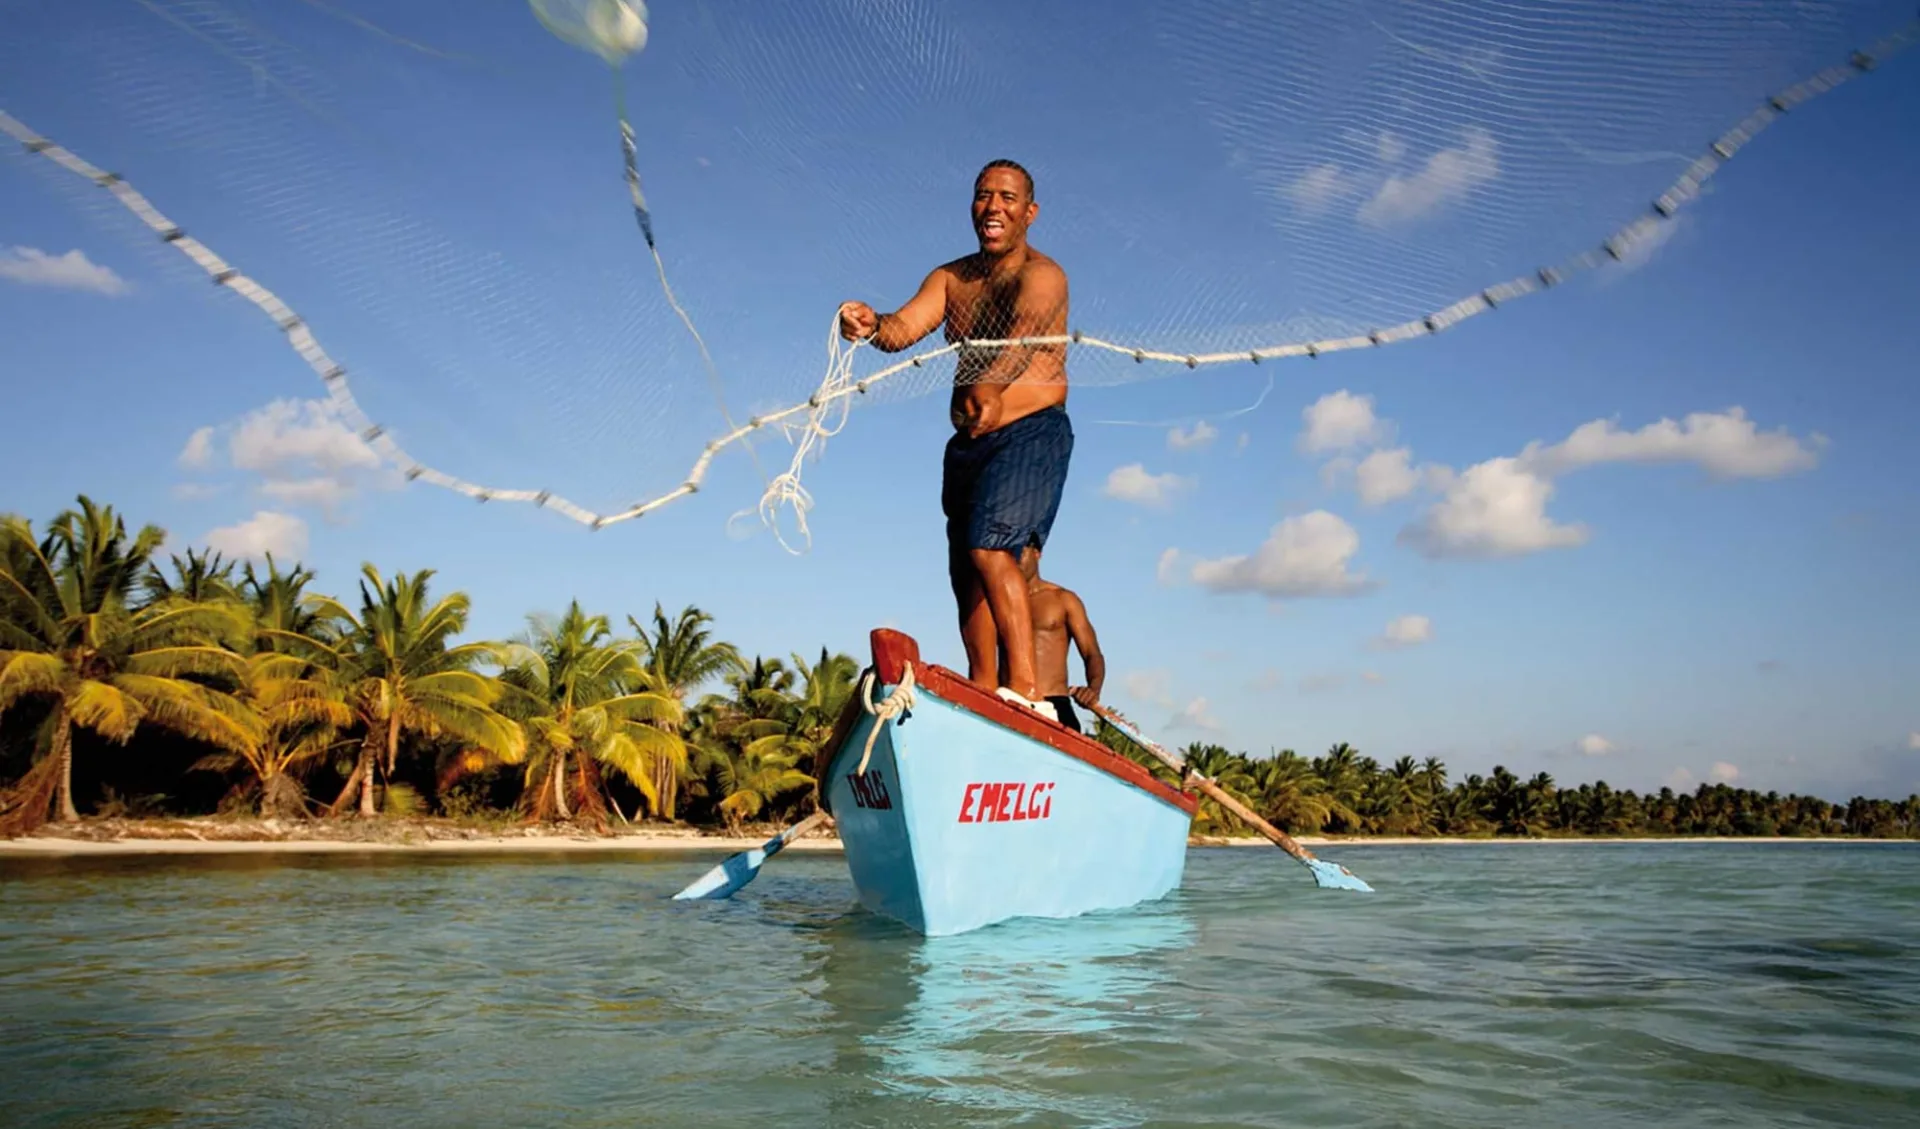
{"x":629,"y":157}
{"x":839,"y":388}
{"x":785,"y":489}
{"x":895,"y":704}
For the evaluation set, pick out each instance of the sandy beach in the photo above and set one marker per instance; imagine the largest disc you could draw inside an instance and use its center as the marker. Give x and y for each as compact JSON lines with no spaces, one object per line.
{"x":226,"y":836}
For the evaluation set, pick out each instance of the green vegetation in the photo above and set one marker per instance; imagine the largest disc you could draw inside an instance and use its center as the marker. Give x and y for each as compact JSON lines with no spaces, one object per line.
{"x":199,"y":685}
{"x":1345,"y":793}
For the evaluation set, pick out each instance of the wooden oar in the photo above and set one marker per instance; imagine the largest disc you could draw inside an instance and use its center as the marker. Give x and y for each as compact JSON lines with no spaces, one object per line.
{"x":725,"y":880}
{"x":1328,"y":874}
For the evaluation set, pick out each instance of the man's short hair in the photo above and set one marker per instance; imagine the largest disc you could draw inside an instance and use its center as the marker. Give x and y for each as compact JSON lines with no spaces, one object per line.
{"x":1004,"y":163}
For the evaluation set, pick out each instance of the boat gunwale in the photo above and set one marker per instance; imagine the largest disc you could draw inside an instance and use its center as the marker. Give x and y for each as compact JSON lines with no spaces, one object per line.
{"x":893,"y":650}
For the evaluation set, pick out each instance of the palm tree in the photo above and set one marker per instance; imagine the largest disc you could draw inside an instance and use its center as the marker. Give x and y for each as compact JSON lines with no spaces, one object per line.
{"x":71,"y":634}
{"x":760,"y":712}
{"x":290,"y":715}
{"x":589,"y":704}
{"x":1228,"y":770}
{"x":1343,"y":774}
{"x":1291,"y":796}
{"x":198,"y":577}
{"x":680,"y":655}
{"x":785,"y":734}
{"x":827,"y":685}
{"x":395,"y":669}
{"x":283,"y":617}
{"x":1433,"y":779}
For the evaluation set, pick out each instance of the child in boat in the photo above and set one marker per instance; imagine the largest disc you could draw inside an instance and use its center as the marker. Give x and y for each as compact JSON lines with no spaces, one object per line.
{"x":1060,"y":616}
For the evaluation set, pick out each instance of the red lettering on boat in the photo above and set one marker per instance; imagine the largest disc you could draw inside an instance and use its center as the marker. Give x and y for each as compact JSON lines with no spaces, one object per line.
{"x":1034,"y":808}
{"x":1003,"y":802}
{"x":966,"y":801}
{"x":989,"y":803}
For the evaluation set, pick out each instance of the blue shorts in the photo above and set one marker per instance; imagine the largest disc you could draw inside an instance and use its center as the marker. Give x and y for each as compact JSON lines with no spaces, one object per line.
{"x":1002,"y":490}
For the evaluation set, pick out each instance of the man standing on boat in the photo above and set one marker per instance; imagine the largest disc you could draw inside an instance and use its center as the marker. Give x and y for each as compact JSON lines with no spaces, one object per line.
{"x":1060,"y":619}
{"x":1006,"y":465}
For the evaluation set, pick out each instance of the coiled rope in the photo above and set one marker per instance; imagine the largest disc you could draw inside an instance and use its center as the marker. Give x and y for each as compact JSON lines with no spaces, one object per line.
{"x":893,"y":705}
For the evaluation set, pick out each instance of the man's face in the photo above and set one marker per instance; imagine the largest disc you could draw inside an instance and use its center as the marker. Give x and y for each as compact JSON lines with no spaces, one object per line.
{"x":1002,"y":210}
{"x":1029,"y":563}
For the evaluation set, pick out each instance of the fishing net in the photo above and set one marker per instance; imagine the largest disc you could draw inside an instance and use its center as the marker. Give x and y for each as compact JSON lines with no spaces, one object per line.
{"x":587,"y":254}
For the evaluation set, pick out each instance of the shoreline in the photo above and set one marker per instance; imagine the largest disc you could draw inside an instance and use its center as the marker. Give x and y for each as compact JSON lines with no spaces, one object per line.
{"x":230,"y":837}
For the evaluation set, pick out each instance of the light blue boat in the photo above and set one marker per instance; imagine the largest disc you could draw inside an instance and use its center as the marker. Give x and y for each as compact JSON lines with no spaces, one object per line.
{"x":957,"y":809}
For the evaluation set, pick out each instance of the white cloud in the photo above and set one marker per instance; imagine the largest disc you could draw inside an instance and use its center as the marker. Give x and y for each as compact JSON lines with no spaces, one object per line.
{"x":199,"y":449}
{"x":1195,"y":715}
{"x":1388,"y":149}
{"x":302,"y":451}
{"x":1317,"y":189}
{"x":1725,"y":444}
{"x":1385,"y":476}
{"x":1321,"y":683}
{"x":1407,"y":631}
{"x":193,"y":491}
{"x":1167,"y":569}
{"x":1372,"y":677}
{"x":1913,"y":740}
{"x":1593,"y":745}
{"x":1495,"y":509}
{"x":1448,"y":175}
{"x":283,"y":535}
{"x":1240,"y":444}
{"x":1199,"y":435}
{"x":294,"y":433}
{"x":1723,"y":773}
{"x":1132,"y":483}
{"x":1681,"y":780}
{"x":31,"y":266}
{"x":1154,"y":687}
{"x":1499,"y":507}
{"x":1266,"y":681}
{"x":1339,"y":421}
{"x":1307,"y":555}
{"x":323,"y":491}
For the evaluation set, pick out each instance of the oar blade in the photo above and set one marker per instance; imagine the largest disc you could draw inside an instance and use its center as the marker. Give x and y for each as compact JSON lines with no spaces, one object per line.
{"x":1333,"y":876}
{"x":725,"y":880}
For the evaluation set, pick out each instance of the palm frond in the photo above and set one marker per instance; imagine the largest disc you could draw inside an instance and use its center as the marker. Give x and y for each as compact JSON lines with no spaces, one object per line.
{"x":23,"y":673}
{"x":193,"y":711}
{"x":105,"y":709}
{"x":174,"y":662}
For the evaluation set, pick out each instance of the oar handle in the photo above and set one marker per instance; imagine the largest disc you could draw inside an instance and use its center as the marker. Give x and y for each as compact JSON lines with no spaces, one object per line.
{"x":779,"y":842}
{"x":1218,"y":794}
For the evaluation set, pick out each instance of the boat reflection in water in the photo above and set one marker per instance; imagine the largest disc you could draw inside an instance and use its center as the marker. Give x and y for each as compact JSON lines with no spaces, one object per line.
{"x":1028,"y":1016}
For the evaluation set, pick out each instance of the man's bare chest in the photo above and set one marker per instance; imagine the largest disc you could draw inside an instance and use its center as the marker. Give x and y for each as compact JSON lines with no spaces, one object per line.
{"x":979,"y":310}
{"x":1049,"y":614}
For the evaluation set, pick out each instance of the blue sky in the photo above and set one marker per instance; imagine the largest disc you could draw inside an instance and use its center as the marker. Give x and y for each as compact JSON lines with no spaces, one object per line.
{"x":1723,"y":596}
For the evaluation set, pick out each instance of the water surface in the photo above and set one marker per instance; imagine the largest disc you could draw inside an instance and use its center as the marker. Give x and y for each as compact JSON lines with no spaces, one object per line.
{"x":1505,"y":984}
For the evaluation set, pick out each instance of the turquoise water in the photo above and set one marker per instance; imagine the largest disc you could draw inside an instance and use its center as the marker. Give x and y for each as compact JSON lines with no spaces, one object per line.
{"x":1608,"y":985}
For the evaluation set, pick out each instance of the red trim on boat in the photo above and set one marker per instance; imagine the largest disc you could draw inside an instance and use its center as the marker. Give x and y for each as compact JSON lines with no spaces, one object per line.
{"x":892,"y":650}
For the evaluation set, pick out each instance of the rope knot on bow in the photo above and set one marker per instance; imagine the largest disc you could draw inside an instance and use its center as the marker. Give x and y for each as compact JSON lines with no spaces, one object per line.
{"x":893,"y":705}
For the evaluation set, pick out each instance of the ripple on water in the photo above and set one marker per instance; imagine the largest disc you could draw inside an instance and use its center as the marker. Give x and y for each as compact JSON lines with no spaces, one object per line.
{"x":1554,"y":985}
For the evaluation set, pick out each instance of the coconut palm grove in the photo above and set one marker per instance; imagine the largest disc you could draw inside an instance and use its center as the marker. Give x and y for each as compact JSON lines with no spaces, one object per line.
{"x":138,"y":687}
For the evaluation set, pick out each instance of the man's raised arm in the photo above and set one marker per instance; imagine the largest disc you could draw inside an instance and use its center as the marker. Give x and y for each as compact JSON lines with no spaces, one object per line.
{"x":893,"y":332}
{"x":1088,"y":644}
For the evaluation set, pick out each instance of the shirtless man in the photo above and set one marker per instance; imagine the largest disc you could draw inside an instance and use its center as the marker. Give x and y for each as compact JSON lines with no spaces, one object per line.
{"x":1006,"y":464}
{"x":1059,"y":618}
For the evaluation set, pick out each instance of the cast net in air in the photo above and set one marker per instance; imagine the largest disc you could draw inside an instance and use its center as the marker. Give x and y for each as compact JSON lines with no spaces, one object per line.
{"x":426,"y":196}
